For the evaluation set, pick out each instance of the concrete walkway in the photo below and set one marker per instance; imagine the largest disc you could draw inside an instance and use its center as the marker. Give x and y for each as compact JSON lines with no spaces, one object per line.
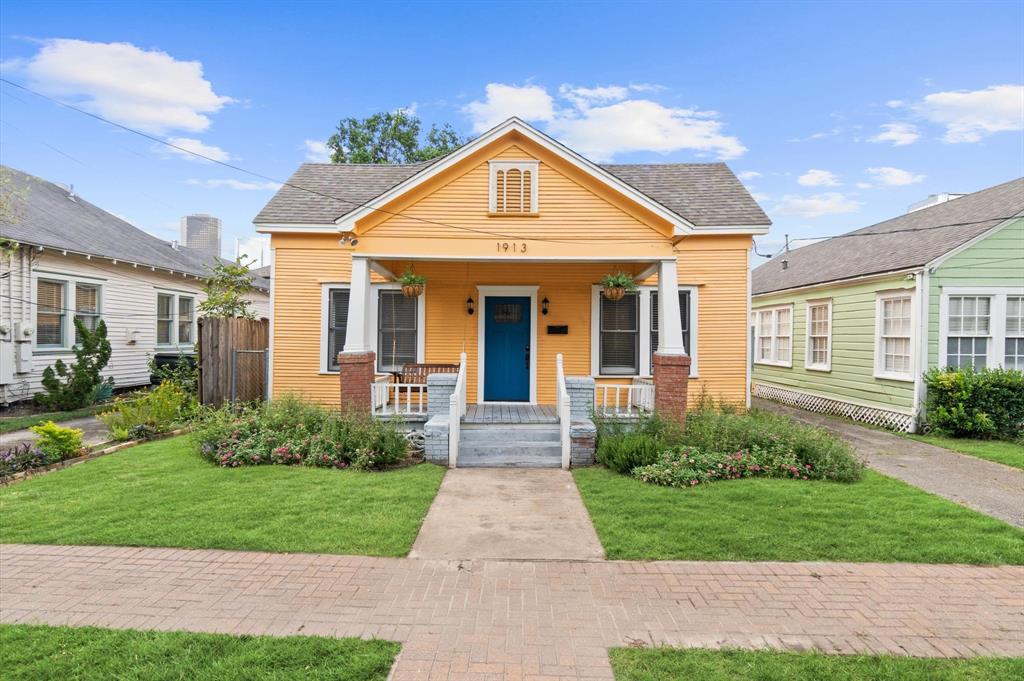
{"x":478,"y":620}
{"x":95,"y":432}
{"x":985,"y":486}
{"x":514,"y":514}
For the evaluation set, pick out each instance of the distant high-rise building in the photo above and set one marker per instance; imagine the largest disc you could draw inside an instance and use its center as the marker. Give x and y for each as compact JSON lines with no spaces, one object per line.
{"x":201,"y":232}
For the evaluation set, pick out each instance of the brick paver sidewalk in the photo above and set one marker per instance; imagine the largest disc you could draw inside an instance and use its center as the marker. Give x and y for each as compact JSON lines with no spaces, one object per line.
{"x":521,"y":619}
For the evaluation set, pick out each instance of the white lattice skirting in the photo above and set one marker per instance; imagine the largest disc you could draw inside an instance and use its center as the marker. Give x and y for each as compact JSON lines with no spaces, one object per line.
{"x":884,"y":418}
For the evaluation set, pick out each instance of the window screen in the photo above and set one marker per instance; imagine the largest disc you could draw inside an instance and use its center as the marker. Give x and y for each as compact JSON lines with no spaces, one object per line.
{"x":337,"y":323}
{"x":620,"y":335}
{"x":50,"y":313}
{"x":396,"y":330}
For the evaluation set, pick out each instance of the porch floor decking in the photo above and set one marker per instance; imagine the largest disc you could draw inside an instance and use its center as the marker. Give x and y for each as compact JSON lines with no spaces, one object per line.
{"x":510,"y":413}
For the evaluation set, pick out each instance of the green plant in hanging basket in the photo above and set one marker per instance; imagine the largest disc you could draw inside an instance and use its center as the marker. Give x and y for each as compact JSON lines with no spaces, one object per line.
{"x":616,"y":285}
{"x":412,"y":283}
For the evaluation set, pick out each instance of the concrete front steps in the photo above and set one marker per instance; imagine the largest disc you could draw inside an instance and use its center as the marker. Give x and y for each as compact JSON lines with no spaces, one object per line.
{"x":521,"y":445}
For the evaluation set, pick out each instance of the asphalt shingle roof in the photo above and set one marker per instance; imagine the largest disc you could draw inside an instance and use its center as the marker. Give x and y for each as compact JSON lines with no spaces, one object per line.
{"x":910,"y":240}
{"x":45,"y":214}
{"x":706,"y":194}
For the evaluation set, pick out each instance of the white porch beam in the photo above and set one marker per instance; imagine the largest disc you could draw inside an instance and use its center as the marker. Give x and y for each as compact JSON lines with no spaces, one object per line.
{"x":356,"y":336}
{"x":670,"y":329}
{"x":382,"y":271}
{"x":646,"y":273}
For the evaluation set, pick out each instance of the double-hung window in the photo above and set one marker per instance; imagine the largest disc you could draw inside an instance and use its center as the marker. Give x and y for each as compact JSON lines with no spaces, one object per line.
{"x":175,"y":319}
{"x":397,"y":329}
{"x":981,"y":327}
{"x":774,"y":339}
{"x":337,"y":324}
{"x":893,"y":336}
{"x":620,"y":336}
{"x":1013,"y":346}
{"x":59,"y":303}
{"x":818,"y":354}
{"x":684,"y":318}
{"x":970,"y":328}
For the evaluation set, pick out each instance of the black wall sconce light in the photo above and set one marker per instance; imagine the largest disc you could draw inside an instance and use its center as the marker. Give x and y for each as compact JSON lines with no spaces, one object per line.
{"x":544,"y":306}
{"x":469,"y":306}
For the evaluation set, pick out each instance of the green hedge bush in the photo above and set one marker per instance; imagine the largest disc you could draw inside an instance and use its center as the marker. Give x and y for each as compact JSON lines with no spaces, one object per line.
{"x":58,"y":442}
{"x":976,"y":404}
{"x":154,"y":412}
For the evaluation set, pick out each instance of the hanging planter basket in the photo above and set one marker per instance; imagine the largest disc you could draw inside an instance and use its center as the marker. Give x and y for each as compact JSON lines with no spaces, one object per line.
{"x":412,"y":290}
{"x":614,"y":292}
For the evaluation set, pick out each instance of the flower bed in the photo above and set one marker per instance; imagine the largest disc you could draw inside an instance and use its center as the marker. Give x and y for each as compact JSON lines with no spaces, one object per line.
{"x":291,"y":432}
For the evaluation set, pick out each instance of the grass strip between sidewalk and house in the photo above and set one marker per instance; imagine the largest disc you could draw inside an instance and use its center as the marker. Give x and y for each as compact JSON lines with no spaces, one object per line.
{"x":13,"y":423}
{"x":163,"y":494}
{"x":999,"y":451}
{"x":876,"y":520}
{"x":42,"y":653}
{"x":669,"y":664}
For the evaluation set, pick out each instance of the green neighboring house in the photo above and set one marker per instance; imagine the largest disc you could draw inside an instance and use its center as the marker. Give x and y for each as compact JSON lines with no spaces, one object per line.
{"x":848,"y":325}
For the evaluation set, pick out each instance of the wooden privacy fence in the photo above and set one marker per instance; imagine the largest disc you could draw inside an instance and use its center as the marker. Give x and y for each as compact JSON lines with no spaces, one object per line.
{"x":232,"y":359}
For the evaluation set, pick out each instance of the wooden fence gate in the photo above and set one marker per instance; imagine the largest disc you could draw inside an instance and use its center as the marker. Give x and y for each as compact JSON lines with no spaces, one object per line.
{"x":232,"y":359}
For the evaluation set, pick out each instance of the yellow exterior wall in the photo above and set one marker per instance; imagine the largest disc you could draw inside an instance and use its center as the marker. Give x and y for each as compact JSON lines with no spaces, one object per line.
{"x":716,"y":265}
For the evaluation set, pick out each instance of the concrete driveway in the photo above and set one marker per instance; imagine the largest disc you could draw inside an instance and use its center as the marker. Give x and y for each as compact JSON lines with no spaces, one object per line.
{"x":94,"y":432}
{"x":512,"y":514}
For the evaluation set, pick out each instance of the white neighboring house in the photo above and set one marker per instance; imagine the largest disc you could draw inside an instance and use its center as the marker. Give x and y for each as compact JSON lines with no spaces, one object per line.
{"x":74,"y":259}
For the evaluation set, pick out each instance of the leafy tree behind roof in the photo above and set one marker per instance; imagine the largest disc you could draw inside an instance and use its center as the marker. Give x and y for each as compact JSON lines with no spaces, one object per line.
{"x":390,"y":137}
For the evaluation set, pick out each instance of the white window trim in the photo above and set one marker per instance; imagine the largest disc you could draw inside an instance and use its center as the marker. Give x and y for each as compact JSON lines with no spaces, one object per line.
{"x":996,"y":355}
{"x":483,"y":292}
{"x":530,"y":166}
{"x":774,"y":309}
{"x":808,"y":361}
{"x":880,"y":372}
{"x":325,"y":300}
{"x":175,"y":295}
{"x":646,"y":370}
{"x":69,"y":281}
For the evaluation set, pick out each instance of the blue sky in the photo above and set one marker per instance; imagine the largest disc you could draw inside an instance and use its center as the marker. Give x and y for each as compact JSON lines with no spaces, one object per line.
{"x":837,"y":115}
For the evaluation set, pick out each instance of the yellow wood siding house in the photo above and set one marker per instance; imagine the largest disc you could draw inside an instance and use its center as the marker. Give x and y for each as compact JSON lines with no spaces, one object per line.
{"x":513,"y":233}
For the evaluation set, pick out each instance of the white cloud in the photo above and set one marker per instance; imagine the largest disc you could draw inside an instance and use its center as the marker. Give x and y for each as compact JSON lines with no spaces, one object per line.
{"x":894,"y":177}
{"x":817,"y":135}
{"x":317,"y":151}
{"x":818,"y":178}
{"x":971,"y":115}
{"x":830,"y":203}
{"x":529,"y":102}
{"x":602,"y":122}
{"x":187,"y":144}
{"x":255,"y":251}
{"x":603,"y":132}
{"x":900,"y":134}
{"x":235,"y":184}
{"x":895,"y":103}
{"x":146,"y":89}
{"x":864,"y":185}
{"x":748,"y":175}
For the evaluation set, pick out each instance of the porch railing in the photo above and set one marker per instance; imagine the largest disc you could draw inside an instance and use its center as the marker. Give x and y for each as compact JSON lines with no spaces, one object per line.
{"x":564,"y":413}
{"x":398,"y":399}
{"x":628,"y":400}
{"x":456,"y":410}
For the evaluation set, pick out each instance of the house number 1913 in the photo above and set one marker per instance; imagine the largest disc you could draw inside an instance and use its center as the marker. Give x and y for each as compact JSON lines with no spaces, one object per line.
{"x":511,"y":247}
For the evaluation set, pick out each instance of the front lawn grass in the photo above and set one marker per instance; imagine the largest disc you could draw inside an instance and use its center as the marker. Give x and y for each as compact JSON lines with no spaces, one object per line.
{"x":163,"y":494}
{"x":1000,"y":451}
{"x":58,"y":653}
{"x":667,"y":664}
{"x":876,"y":520}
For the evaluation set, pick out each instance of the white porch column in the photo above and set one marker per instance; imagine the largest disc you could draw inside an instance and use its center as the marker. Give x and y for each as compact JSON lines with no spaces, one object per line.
{"x":357,"y":334}
{"x":670,"y":329}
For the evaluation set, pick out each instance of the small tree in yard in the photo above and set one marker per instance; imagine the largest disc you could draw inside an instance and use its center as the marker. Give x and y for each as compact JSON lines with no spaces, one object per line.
{"x":78,"y":386}
{"x":225,"y":291}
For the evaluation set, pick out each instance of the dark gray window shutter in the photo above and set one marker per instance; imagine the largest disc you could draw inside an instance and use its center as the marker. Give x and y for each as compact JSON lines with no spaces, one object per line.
{"x":337,"y":322}
{"x":396,"y":330}
{"x":620,"y":335}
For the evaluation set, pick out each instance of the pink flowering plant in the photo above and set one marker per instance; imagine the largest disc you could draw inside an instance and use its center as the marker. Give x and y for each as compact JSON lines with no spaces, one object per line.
{"x":689,"y":467}
{"x":292,"y":432}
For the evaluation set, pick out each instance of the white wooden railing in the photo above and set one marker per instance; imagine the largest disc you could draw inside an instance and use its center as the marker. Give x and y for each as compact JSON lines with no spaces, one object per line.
{"x":625,"y":400}
{"x":564,"y":413}
{"x":391,"y":399}
{"x":456,"y":410}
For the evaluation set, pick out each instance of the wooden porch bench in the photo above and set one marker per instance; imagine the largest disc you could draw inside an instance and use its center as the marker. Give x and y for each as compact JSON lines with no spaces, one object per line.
{"x":417,"y":372}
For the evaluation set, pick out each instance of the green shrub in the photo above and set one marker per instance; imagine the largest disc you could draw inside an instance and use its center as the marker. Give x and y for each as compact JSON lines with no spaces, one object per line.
{"x":977,"y":404}
{"x":155,"y":412}
{"x":67,"y":388}
{"x":689,"y":466}
{"x":184,"y":372}
{"x":625,"y":451}
{"x":57,"y":442}
{"x":291,"y":431}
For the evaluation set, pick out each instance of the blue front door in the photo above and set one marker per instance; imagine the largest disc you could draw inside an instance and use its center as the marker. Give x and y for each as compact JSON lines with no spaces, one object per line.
{"x":507,"y":349}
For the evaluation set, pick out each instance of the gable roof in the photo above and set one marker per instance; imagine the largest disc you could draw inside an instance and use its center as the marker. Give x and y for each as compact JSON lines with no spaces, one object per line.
{"x":46,"y":214}
{"x":908,"y":241}
{"x":687,"y":194}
